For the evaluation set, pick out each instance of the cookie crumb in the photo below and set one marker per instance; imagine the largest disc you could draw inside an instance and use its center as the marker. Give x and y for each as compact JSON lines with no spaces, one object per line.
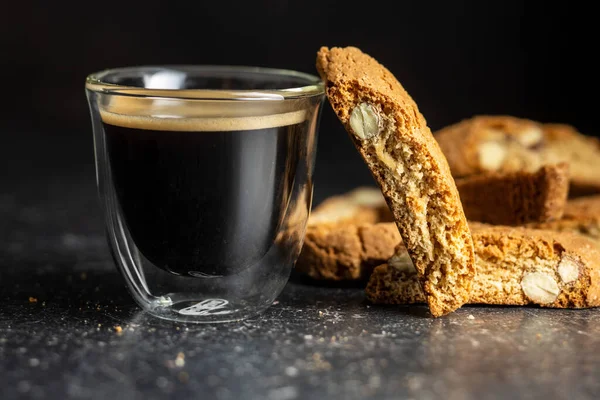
{"x":470,"y":316}
{"x":318,"y":363}
{"x":180,"y":360}
{"x":33,"y":300}
{"x":119,"y":330}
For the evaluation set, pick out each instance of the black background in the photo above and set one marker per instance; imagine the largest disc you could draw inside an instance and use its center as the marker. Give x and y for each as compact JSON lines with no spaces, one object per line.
{"x":457,"y":59}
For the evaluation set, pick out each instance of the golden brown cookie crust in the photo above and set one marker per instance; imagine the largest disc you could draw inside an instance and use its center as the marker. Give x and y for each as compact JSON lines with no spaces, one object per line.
{"x":582,"y":215}
{"x":502,"y":143}
{"x":506,"y":199}
{"x":346,"y":252}
{"x":583,"y":208}
{"x":362,"y":205}
{"x":494,"y":198}
{"x":516,"y":198}
{"x":397,"y":145}
{"x":347,"y":236}
{"x":515,"y":266}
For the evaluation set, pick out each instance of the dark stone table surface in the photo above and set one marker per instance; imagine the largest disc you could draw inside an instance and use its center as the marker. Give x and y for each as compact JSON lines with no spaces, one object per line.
{"x":69,"y":329}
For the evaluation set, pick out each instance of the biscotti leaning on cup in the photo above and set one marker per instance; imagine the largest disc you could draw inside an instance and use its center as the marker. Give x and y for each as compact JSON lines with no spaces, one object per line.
{"x":497,"y":143}
{"x":395,"y":142}
{"x":515,"y":266}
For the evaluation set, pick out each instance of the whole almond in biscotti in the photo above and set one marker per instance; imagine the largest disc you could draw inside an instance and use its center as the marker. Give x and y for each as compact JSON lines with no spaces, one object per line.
{"x":515,"y":198}
{"x":499,"y":143}
{"x":395,"y":142}
{"x":515,"y":266}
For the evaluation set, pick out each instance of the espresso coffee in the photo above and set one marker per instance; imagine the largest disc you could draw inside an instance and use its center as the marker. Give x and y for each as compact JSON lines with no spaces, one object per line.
{"x":203,"y":197}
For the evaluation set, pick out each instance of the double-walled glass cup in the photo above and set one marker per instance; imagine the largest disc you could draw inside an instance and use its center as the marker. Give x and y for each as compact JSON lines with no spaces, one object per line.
{"x":205,"y":178}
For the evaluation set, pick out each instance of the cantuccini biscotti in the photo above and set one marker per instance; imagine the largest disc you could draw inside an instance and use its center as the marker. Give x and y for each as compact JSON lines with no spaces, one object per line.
{"x":498,"y":143}
{"x":515,"y":266}
{"x":395,"y":142}
{"x":582,"y":215}
{"x":348,"y":235}
{"x":339,"y":229}
{"x":363,"y":205}
{"x":515,"y":198}
{"x":346,"y":252}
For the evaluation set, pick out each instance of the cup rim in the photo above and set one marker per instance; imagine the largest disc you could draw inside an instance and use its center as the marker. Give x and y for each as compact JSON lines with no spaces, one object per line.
{"x":95,"y":82}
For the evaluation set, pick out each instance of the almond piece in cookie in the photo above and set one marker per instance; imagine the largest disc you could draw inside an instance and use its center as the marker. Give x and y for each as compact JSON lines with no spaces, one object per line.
{"x":487,"y":143}
{"x":515,"y":198}
{"x":515,"y":266}
{"x":395,"y":142}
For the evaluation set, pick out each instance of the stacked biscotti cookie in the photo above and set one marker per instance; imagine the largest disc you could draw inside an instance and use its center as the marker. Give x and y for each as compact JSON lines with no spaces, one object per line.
{"x":496,"y":143}
{"x":581,"y":215}
{"x":560,"y":255}
{"x":515,"y":266}
{"x":346,"y":240}
{"x":347,"y":236}
{"x":474,"y":213}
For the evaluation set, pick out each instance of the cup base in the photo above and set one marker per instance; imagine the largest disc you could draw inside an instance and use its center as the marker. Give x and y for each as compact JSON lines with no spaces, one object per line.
{"x":215,"y":299}
{"x":205,"y":311}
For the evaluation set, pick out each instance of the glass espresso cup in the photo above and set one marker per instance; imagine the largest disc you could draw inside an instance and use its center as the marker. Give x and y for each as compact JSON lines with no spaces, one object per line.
{"x":205,"y":177}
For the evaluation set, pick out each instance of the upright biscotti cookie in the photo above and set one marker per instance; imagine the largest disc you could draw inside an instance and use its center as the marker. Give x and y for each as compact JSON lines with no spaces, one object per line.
{"x":515,"y":198}
{"x":582,"y":215}
{"x":395,"y":142}
{"x":515,"y":266}
{"x":487,"y":143}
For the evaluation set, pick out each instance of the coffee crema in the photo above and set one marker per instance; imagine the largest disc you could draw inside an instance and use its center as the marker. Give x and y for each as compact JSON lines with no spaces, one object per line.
{"x":203,"y":195}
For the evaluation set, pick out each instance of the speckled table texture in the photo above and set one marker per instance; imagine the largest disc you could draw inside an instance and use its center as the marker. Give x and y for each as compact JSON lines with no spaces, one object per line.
{"x":69,"y":329}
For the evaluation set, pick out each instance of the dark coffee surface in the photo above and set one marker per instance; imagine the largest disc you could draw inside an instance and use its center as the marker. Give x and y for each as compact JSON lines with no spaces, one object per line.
{"x":203,"y":203}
